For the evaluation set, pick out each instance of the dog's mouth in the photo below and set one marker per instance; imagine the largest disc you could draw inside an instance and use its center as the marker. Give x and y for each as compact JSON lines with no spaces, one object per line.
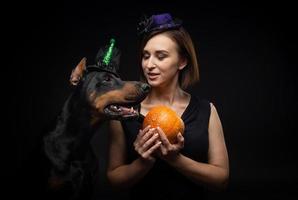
{"x":117,"y":111}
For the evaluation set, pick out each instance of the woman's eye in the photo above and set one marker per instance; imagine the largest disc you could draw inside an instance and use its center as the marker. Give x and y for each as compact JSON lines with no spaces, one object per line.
{"x":161,"y":56}
{"x":145,"y":56}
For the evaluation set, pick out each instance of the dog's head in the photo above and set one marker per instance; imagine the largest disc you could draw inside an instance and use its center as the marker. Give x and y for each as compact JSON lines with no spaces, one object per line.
{"x":103,"y":90}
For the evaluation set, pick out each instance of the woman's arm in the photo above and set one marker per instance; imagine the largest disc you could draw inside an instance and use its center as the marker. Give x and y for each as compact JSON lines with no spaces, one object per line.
{"x":123,"y":175}
{"x":215,"y":173}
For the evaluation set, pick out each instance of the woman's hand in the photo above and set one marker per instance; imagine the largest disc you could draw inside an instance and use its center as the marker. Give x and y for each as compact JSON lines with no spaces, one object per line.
{"x":168,"y":151}
{"x":146,"y":143}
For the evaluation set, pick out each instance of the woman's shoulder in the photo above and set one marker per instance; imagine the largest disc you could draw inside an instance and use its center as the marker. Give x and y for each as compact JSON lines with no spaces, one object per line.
{"x":205,"y":105}
{"x":198,"y":107}
{"x":197,"y":100}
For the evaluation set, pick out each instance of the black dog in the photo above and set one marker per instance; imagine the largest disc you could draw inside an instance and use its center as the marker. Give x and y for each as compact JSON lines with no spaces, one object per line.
{"x":99,"y":95}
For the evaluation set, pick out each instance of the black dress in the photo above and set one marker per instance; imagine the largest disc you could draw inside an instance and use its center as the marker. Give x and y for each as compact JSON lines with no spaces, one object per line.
{"x":163,"y":181}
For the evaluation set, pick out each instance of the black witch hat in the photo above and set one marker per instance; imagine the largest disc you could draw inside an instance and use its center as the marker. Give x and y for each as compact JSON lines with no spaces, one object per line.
{"x":107,"y":59}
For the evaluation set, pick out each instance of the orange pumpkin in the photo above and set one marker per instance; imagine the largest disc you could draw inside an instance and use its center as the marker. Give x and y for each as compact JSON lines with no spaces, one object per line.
{"x":167,"y":119}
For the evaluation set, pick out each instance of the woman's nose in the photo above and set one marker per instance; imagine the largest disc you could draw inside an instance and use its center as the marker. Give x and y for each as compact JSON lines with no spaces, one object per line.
{"x":151,"y":64}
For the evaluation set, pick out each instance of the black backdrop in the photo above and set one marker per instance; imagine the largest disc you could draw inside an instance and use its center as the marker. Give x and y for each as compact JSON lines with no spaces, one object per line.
{"x":247,"y":69}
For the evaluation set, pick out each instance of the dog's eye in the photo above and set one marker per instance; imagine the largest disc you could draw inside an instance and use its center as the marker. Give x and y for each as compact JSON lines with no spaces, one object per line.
{"x":107,"y":79}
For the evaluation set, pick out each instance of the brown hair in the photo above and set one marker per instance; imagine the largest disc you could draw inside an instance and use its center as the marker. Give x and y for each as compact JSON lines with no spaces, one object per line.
{"x":189,"y":75}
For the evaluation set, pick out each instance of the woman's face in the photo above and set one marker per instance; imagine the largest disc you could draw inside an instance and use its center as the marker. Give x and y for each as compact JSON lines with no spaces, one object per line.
{"x":161,"y":61}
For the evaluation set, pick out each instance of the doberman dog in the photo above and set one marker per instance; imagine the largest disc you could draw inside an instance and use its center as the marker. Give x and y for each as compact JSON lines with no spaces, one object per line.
{"x":99,"y":95}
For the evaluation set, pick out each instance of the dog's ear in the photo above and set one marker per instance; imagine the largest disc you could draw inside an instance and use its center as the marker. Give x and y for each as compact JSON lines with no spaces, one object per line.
{"x":77,"y":72}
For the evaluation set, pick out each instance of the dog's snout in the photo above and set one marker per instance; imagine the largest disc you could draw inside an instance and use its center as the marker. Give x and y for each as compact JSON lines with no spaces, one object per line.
{"x":145,"y":87}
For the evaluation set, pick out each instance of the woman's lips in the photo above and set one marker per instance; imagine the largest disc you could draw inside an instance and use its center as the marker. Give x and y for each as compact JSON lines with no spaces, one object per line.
{"x":153,"y":75}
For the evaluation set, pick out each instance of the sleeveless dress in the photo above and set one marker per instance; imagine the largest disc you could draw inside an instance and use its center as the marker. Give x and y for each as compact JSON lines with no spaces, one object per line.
{"x":163,"y":181}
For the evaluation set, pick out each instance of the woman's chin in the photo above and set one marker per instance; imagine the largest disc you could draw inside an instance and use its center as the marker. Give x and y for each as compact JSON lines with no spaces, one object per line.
{"x":153,"y":83}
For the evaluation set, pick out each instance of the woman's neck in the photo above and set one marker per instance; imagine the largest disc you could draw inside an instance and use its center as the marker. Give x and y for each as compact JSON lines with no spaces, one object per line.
{"x":166,"y":95}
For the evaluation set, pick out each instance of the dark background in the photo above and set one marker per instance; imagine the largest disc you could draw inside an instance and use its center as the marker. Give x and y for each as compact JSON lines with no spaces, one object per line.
{"x":247,"y":54}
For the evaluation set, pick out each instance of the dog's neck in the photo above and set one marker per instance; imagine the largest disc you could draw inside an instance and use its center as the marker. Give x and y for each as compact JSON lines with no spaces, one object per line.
{"x":73,"y":124}
{"x":79,"y":119}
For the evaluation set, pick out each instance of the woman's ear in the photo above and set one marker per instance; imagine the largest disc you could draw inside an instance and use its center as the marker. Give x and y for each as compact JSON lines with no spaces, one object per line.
{"x":182,"y":63}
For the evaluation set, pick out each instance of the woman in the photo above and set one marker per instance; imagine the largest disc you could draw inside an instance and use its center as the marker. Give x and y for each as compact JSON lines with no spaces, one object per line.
{"x":143,"y":160}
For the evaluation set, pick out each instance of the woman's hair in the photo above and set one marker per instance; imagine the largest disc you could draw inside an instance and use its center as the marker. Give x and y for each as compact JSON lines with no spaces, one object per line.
{"x":189,"y":75}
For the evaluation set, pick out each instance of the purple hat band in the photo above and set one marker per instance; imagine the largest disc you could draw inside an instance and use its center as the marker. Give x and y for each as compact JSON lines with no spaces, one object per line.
{"x":158,"y":22}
